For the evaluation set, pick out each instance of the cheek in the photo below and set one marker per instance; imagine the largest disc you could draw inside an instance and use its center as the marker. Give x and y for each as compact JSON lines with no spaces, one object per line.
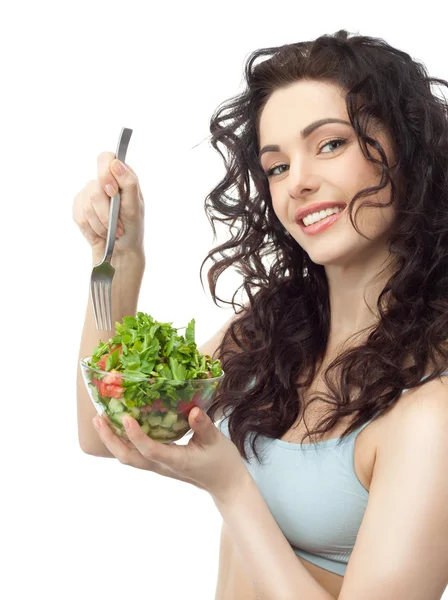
{"x":280,"y":208}
{"x":374,"y":222}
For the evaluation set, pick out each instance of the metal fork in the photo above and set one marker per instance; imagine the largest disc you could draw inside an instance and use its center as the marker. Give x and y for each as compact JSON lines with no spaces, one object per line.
{"x":103,"y":272}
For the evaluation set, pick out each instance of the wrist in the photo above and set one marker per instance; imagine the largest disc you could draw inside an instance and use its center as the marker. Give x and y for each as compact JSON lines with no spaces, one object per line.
{"x":242,"y":485}
{"x":122,"y":258}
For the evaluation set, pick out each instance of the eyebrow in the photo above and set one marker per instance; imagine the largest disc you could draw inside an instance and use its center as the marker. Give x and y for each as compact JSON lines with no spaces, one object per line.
{"x":303,"y":134}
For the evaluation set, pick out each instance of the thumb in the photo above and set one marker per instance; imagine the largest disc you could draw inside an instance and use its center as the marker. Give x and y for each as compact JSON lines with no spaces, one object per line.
{"x":202,"y":425}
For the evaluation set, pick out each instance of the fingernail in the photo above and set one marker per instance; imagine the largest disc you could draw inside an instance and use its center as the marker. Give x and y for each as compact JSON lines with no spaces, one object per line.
{"x":111,"y":191}
{"x":118,"y":167}
{"x":200,"y":417}
{"x":126,"y":423}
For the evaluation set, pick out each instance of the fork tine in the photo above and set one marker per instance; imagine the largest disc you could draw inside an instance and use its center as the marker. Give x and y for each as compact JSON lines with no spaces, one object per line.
{"x":94,"y":301}
{"x":104,"y":299}
{"x":101,"y":295}
{"x":109,"y":307}
{"x":106,"y":316}
{"x":98,"y":303}
{"x":102,"y":304}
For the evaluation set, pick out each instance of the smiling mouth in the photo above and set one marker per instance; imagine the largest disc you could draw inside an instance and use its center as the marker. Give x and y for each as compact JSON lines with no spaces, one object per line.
{"x":305,"y":221}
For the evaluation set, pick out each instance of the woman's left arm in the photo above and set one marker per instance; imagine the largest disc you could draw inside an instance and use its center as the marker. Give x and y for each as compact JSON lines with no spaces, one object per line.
{"x":401,"y":551}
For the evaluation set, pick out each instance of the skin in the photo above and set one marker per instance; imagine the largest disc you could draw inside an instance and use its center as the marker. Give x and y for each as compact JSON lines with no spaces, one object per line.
{"x":310,"y":171}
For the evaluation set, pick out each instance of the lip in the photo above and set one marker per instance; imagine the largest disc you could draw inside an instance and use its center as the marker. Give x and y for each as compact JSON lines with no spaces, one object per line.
{"x":303,"y":212}
{"x":321,"y":225}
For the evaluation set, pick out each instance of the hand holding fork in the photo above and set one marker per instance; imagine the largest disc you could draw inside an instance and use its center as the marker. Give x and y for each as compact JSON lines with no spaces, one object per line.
{"x":110,"y":226}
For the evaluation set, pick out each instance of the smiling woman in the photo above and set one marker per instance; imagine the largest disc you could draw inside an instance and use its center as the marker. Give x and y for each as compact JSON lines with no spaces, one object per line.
{"x":338,"y":152}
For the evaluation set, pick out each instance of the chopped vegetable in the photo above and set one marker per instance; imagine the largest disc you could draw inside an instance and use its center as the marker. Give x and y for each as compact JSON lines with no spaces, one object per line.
{"x":154,"y":374}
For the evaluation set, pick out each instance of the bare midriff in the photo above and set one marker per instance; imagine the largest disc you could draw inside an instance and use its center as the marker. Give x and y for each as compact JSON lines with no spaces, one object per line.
{"x":233,"y":583}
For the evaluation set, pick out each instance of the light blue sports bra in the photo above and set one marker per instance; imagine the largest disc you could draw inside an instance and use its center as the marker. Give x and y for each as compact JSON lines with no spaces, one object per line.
{"x":315,"y":497}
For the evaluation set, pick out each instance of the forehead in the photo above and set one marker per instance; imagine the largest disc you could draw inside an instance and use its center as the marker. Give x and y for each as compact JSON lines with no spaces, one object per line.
{"x":292,"y":108}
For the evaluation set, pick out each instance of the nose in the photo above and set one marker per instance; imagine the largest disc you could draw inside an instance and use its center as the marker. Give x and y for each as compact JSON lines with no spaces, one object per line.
{"x":302,"y":180}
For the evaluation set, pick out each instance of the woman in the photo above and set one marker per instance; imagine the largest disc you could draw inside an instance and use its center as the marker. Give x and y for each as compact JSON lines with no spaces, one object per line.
{"x":351,"y":312}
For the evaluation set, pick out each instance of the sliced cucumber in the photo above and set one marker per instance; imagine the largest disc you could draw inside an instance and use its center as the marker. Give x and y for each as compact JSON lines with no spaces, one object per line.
{"x":182,"y":423}
{"x":169,"y":419}
{"x":117,"y":418}
{"x":163,"y":434}
{"x":145,"y":428}
{"x":118,"y":410}
{"x":154,"y":420}
{"x":134,"y":412}
{"x":115,"y":406}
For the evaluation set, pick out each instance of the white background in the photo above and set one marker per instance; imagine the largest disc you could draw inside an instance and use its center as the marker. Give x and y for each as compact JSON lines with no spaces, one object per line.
{"x":72,"y":75}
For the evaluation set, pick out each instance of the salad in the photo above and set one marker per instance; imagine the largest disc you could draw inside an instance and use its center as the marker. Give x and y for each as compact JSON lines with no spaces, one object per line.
{"x":150,"y":372}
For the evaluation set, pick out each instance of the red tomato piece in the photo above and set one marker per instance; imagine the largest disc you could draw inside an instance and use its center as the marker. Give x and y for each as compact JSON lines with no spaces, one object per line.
{"x":102,"y":388}
{"x":114,"y":391}
{"x":113,"y":378}
{"x":102,"y":361}
{"x":110,"y":391}
{"x":185,"y":407}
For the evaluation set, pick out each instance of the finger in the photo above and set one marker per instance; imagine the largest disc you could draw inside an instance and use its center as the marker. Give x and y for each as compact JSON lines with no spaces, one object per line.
{"x":108,"y":175}
{"x":104,"y":160}
{"x":81,"y":218}
{"x":112,"y":427}
{"x":127,"y":182}
{"x":105,"y":177}
{"x":97,"y":210}
{"x":126,"y":454}
{"x":152,"y":450}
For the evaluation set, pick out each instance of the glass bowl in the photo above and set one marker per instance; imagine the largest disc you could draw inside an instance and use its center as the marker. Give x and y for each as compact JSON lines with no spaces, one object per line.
{"x":160,"y":406}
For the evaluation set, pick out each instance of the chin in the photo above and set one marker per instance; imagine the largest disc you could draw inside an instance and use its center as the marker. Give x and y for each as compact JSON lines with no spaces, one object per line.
{"x":333,"y":254}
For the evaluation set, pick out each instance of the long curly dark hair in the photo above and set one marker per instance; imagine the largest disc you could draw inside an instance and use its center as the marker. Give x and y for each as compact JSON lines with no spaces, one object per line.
{"x":282,"y":332}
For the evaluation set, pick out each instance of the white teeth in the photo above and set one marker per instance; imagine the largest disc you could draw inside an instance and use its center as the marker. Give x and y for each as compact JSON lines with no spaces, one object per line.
{"x":317,"y":216}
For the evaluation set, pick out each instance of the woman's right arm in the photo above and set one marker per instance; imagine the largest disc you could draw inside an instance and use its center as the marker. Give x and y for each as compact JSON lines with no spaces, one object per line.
{"x":91,"y":214}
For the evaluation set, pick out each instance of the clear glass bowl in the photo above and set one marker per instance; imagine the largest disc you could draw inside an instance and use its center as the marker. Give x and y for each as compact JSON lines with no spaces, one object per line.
{"x":163,"y":417}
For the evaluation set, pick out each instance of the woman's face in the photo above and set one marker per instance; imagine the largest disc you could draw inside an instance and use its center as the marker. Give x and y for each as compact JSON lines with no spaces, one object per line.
{"x":316,"y":169}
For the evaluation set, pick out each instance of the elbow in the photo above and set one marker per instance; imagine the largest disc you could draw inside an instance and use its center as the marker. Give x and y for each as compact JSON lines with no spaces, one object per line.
{"x":87,"y":449}
{"x":93,"y":449}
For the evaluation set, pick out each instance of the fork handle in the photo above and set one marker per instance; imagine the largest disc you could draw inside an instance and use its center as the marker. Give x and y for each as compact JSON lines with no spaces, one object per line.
{"x":122,"y":148}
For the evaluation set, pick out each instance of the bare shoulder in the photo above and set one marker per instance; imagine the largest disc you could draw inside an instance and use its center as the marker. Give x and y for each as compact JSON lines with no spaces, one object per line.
{"x":407,"y":508}
{"x":417,"y":411}
{"x":429,"y":397}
